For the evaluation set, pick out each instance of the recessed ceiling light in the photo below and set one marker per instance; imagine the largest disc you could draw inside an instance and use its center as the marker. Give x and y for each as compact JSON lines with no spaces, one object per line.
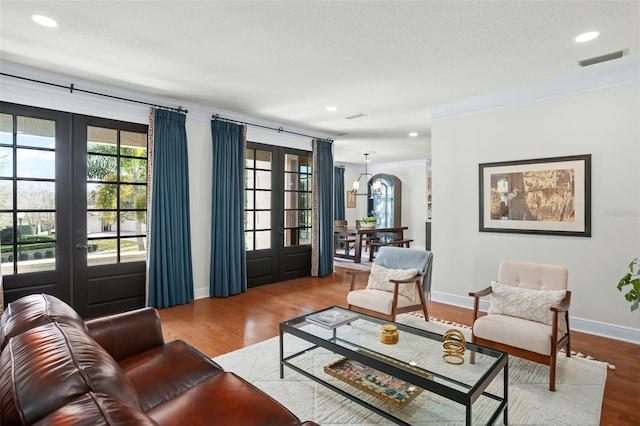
{"x":45,"y":21}
{"x":332,"y":108}
{"x":587,"y":36}
{"x":413,"y":134}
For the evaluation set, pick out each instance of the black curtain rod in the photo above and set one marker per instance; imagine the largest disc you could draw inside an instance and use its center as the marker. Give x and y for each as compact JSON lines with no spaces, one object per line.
{"x":279,"y":129}
{"x":72,"y":88}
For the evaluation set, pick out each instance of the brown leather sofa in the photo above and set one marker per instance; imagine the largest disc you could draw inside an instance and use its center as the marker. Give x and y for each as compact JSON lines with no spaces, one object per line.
{"x":55,"y":369}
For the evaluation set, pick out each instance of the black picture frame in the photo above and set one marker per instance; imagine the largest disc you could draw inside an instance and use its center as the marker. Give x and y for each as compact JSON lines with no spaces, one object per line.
{"x":546,"y":196}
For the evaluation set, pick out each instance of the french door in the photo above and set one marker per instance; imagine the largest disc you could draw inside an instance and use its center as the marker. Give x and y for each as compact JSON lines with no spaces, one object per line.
{"x":277,"y":213}
{"x":73,"y":208}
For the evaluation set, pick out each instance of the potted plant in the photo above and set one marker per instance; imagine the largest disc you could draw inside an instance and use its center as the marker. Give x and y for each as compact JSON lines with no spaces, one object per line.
{"x":368,"y":222}
{"x":632,"y":278}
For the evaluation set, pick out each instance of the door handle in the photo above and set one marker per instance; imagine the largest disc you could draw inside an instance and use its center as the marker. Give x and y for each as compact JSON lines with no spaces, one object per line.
{"x":80,"y":246}
{"x":281,"y":229}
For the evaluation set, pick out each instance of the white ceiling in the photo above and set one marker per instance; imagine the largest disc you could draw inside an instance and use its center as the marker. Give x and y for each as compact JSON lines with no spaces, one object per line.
{"x":285,"y":61}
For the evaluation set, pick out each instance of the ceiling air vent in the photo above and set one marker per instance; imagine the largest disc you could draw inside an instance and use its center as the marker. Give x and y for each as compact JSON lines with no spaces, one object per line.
{"x":603,"y":58}
{"x":358,"y":115}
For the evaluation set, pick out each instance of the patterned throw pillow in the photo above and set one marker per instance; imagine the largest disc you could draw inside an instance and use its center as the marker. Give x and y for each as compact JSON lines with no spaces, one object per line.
{"x":380,"y":276}
{"x":520,"y":302}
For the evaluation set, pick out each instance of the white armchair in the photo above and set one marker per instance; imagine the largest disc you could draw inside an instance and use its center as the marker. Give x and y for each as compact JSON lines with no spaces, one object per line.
{"x":529,"y":313}
{"x":398,"y":281}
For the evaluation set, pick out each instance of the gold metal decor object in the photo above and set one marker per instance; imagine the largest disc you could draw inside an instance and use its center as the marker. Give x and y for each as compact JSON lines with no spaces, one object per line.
{"x":389,"y":334}
{"x":453,"y":345}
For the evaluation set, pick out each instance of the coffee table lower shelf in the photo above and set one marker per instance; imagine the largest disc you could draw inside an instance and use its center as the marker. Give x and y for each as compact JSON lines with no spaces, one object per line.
{"x":383,"y":386}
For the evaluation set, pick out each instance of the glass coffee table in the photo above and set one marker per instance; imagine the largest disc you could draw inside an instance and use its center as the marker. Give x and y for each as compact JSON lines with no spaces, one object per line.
{"x":406,"y":382}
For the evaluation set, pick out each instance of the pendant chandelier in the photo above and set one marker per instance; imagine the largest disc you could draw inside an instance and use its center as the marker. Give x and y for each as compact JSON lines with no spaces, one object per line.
{"x":375,"y":186}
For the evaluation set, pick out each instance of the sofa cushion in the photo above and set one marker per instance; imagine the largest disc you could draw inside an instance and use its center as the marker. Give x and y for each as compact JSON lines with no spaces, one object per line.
{"x":158,"y":376}
{"x":379,"y":280}
{"x":97,"y":410}
{"x":223,"y":399}
{"x":35,"y":310}
{"x":45,"y":368}
{"x":533,"y":305}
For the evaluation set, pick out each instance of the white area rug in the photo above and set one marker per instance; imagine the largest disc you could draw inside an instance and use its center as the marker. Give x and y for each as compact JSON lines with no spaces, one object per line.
{"x":576,"y":401}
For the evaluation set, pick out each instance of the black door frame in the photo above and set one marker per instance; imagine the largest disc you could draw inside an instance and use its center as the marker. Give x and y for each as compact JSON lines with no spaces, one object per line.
{"x":278,"y":263}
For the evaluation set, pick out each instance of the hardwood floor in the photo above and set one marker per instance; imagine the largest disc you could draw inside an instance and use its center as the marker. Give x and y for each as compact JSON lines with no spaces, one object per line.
{"x":220,"y":325}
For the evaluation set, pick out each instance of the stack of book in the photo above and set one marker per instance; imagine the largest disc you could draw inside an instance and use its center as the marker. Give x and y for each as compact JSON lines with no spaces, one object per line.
{"x":332,"y":318}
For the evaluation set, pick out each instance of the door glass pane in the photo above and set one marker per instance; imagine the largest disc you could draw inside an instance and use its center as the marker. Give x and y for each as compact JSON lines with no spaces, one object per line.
{"x":305,"y":201}
{"x":263,"y":219}
{"x":263,"y":240}
{"x":291,"y":182}
{"x":263,"y":179}
{"x":305,"y":182}
{"x":101,"y":195}
{"x":7,"y":261}
{"x":263,"y":160}
{"x":133,"y":144}
{"x":6,"y":232}
{"x":6,"y":195}
{"x":101,"y":140}
{"x":6,"y":162}
{"x":35,"y":163}
{"x":133,"y":196}
{"x":248,"y":199}
{"x":249,"y":159}
{"x":291,"y":237}
{"x":101,"y":167}
{"x":36,"y":132}
{"x":249,"y":179}
{"x":290,"y":218}
{"x":248,"y":240}
{"x":263,"y":200}
{"x":6,"y":129}
{"x":102,"y":252}
{"x":133,"y":223}
{"x":38,"y":227}
{"x":291,"y":200}
{"x":133,"y":170}
{"x":36,"y":195}
{"x":290,"y":163}
{"x":36,"y":257}
{"x":133,"y":249}
{"x":248,"y":221}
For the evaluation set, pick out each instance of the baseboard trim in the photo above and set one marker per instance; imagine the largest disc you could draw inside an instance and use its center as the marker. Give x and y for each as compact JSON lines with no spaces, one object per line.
{"x":597,"y":328}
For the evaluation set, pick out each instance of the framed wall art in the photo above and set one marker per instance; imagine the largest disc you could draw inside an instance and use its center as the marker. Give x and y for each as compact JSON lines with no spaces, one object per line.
{"x":550,"y":196}
{"x":351,"y":200}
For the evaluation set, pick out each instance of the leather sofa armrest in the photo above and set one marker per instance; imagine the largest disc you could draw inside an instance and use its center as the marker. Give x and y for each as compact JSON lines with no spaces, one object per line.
{"x":127,"y":334}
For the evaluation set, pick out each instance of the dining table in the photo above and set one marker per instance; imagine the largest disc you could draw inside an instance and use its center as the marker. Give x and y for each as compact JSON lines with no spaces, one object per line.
{"x":362,"y":233}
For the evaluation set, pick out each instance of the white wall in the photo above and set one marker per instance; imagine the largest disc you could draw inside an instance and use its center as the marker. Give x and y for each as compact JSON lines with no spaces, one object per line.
{"x":413,"y":175}
{"x":604,"y":123}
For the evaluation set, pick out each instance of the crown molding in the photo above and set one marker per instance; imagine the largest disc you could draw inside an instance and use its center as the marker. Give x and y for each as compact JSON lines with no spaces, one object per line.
{"x":58,"y":98}
{"x":586,"y":80}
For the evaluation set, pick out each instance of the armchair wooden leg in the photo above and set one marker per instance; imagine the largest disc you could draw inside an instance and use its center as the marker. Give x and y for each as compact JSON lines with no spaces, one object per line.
{"x":425,"y":312}
{"x":552,"y":373}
